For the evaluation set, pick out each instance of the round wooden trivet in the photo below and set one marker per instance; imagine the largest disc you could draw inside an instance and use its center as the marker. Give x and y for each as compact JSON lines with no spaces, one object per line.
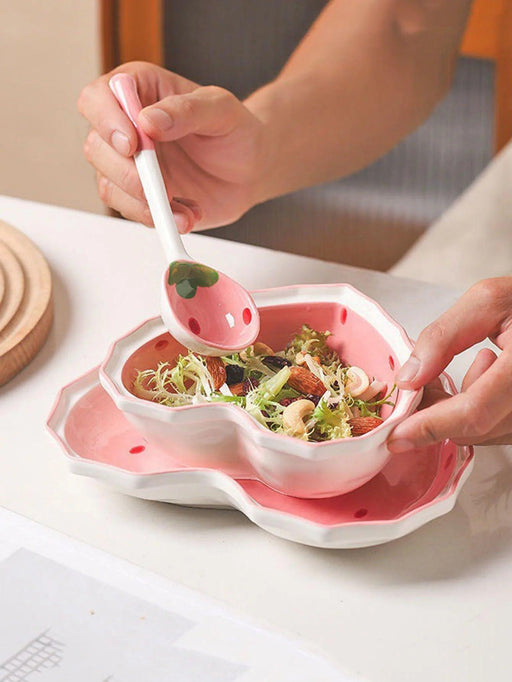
{"x":25,"y":301}
{"x":2,"y":282}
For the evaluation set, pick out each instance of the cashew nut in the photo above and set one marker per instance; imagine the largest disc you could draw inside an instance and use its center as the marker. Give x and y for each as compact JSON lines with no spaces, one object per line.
{"x":374,"y":389}
{"x":294,"y":415}
{"x":261,"y":348}
{"x":358,"y":381}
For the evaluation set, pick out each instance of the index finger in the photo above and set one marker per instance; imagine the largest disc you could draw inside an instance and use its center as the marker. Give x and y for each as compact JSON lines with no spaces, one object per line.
{"x":466,"y":417}
{"x":479,"y":313}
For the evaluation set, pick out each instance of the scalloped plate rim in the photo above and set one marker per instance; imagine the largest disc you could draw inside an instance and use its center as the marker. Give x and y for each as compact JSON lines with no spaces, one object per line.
{"x":242,"y":501}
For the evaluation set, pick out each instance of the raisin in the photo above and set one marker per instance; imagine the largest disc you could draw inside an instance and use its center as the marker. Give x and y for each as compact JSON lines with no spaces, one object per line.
{"x":314,"y":398}
{"x":249,"y":384}
{"x":275,"y":361}
{"x":234,"y":374}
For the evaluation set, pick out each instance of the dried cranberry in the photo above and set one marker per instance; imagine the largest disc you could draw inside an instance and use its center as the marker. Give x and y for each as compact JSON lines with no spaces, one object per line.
{"x":275,"y":361}
{"x":234,"y":374}
{"x":249,"y":384}
{"x":314,"y":398}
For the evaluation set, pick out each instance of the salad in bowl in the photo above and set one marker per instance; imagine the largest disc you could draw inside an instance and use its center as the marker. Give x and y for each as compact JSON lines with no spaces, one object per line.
{"x":305,"y":390}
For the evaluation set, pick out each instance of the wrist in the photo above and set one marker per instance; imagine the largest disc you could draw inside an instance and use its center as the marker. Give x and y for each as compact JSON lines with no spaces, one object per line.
{"x":287,"y":143}
{"x":269,"y":144}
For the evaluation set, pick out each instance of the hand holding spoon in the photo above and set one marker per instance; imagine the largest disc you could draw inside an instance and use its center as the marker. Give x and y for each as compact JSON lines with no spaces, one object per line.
{"x":203,"y":309}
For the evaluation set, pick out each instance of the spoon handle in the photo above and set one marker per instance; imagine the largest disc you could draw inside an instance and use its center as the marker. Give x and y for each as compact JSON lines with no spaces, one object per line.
{"x":125,"y":91}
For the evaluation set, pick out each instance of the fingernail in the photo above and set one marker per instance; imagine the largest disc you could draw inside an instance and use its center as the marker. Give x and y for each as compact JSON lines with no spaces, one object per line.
{"x":148,"y":219}
{"x":192,"y":205}
{"x":182,"y":223}
{"x":120,"y":142}
{"x":158,"y":118}
{"x":409,"y":370}
{"x":400,"y":445}
{"x":103,"y":183}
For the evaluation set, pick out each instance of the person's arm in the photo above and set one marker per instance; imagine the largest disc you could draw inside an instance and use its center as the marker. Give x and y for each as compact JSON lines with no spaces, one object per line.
{"x":366,"y":74}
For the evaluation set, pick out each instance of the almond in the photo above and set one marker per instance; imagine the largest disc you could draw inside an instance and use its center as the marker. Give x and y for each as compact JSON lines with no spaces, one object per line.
{"x":304,"y":381}
{"x":362,"y":425}
{"x":217,"y":370}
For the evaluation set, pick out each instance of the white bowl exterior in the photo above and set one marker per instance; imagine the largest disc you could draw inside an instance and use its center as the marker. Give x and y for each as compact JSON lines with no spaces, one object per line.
{"x":223,"y":443}
{"x":225,"y":436}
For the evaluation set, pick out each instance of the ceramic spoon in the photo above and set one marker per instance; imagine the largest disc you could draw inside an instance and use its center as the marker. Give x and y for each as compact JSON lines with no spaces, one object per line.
{"x":203,"y":309}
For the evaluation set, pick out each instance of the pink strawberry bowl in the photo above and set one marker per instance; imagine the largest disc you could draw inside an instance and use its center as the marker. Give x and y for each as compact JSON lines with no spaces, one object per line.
{"x":224,"y":437}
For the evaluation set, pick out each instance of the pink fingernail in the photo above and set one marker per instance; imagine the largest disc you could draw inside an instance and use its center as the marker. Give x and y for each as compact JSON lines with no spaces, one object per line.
{"x":192,"y":205}
{"x":409,"y":370}
{"x":120,"y":142}
{"x":182,"y":223}
{"x":400,"y":445}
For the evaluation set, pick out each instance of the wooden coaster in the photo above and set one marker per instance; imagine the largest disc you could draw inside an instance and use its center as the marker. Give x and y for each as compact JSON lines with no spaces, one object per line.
{"x":25,"y":301}
{"x":2,"y":282}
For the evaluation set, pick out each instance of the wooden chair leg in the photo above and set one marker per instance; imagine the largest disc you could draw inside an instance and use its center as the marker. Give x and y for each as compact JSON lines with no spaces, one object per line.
{"x":503,"y":84}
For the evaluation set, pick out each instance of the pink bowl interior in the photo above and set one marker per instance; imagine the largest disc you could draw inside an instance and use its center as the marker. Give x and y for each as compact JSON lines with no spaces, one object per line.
{"x":356,"y":341}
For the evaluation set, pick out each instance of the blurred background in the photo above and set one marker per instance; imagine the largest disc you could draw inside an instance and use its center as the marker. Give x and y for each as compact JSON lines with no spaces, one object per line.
{"x":50,"y":50}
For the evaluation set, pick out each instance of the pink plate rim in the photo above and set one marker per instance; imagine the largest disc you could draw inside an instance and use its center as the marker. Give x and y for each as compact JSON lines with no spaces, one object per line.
{"x":458,"y":477}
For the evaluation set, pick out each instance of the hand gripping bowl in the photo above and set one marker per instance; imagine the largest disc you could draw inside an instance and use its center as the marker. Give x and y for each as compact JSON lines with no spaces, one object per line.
{"x":223,"y":436}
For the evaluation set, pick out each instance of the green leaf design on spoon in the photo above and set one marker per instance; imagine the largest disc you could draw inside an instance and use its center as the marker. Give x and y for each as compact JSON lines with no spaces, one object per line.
{"x":188,"y":276}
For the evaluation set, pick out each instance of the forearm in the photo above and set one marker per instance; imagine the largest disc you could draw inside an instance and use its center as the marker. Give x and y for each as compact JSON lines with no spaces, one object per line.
{"x":366,"y":74}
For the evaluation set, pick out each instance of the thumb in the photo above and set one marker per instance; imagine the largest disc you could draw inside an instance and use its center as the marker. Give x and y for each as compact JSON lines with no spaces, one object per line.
{"x":208,"y":111}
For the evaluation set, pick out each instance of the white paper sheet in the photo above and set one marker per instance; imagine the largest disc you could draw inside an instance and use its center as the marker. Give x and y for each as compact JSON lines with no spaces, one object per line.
{"x":70,"y":612}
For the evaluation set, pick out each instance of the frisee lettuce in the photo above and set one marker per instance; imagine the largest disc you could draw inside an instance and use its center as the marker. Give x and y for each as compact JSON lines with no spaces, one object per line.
{"x":313,"y":342}
{"x":266,"y":391}
{"x":371,"y":408}
{"x":331,"y":421}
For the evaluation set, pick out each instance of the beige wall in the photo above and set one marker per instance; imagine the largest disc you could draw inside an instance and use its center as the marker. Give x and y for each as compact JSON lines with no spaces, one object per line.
{"x":48,"y":51}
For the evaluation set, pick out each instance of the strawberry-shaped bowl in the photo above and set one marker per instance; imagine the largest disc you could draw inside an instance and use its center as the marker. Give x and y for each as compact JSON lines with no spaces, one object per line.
{"x":225,"y":437}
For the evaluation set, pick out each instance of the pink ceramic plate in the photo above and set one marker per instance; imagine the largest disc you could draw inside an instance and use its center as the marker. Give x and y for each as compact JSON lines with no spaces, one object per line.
{"x":407,"y":493}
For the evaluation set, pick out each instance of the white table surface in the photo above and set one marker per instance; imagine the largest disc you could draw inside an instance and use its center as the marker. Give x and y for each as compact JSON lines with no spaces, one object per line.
{"x":432,"y":606}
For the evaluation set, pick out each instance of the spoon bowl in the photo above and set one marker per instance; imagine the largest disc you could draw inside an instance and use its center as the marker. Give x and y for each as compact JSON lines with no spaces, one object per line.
{"x":219,"y":315}
{"x":205,"y":310}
